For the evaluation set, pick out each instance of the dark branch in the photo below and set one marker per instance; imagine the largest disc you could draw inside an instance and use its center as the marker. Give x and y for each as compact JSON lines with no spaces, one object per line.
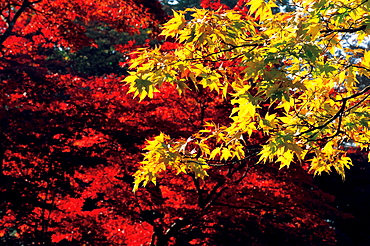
{"x":233,"y":47}
{"x":363,"y":91}
{"x":11,"y":22}
{"x":348,"y":30}
{"x":253,"y":150}
{"x":340,"y":111}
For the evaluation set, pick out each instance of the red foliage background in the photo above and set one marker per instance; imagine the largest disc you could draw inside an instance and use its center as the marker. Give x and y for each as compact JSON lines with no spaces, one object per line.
{"x":70,"y":142}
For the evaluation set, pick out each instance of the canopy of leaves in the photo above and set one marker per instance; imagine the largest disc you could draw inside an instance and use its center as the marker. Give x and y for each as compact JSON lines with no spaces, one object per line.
{"x":280,"y":72}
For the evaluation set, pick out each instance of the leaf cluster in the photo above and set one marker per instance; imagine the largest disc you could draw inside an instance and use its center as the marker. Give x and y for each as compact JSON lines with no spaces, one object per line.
{"x":291,"y":85}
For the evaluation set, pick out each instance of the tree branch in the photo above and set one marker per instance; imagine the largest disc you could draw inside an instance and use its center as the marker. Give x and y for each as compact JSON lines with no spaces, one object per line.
{"x":340,"y":111}
{"x":11,"y":22}
{"x":253,"y":150}
{"x":348,"y":30}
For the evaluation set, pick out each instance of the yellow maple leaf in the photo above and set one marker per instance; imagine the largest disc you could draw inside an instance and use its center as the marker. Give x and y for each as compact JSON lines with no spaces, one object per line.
{"x":172,"y":27}
{"x":261,"y":8}
{"x":366,"y":60}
